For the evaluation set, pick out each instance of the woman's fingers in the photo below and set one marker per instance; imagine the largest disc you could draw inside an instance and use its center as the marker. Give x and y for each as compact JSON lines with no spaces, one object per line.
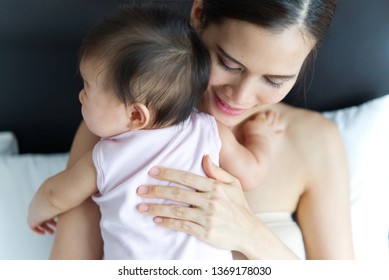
{"x":192,"y":221}
{"x":208,"y":188}
{"x":173,"y":193}
{"x":195,"y":181}
{"x":187,"y":227}
{"x":173,"y":211}
{"x":217,"y":173}
{"x":184,"y":178}
{"x":219,"y":215}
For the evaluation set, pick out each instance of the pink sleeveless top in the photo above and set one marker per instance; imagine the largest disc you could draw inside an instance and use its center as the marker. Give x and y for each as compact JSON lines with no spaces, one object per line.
{"x":122,"y":163}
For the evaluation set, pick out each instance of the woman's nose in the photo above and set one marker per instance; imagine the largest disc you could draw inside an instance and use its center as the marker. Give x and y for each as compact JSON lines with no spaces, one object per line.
{"x":244,"y":92}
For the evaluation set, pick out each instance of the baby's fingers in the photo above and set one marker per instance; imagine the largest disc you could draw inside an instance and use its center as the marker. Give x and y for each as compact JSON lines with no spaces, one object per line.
{"x":38,"y":230}
{"x":52,"y":222}
{"x":45,"y":228}
{"x":272,"y":116}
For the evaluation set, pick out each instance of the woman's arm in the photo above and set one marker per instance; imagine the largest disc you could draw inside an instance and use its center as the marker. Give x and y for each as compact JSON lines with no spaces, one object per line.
{"x":221,"y":216}
{"x":324,"y":209}
{"x":78,"y":232}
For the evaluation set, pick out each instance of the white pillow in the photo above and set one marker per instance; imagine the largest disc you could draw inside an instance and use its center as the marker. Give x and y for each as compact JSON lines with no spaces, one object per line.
{"x":20,"y":177}
{"x":8,"y":143}
{"x":365,"y":131}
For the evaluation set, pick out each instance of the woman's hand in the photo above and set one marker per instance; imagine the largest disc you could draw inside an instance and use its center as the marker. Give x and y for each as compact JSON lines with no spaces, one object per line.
{"x":218,"y":213}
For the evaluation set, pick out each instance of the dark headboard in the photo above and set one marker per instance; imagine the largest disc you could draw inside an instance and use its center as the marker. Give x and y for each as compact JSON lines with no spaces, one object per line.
{"x":352,"y":65}
{"x":39,"y":82}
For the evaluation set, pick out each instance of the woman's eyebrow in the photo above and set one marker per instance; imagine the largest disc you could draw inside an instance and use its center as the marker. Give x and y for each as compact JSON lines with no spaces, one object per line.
{"x":223,"y":52}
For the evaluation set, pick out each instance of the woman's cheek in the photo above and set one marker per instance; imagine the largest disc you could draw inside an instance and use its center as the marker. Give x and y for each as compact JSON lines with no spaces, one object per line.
{"x":276,"y":95}
{"x":274,"y":98}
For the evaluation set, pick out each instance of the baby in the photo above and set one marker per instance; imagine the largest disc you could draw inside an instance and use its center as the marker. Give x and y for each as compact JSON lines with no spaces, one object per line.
{"x":144,"y":71}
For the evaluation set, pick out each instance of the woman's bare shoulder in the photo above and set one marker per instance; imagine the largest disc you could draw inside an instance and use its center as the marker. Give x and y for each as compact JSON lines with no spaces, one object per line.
{"x":302,"y":121}
{"x":308,"y":130}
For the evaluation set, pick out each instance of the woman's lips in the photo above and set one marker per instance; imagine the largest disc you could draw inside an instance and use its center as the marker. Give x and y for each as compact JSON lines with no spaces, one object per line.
{"x":227,"y":109}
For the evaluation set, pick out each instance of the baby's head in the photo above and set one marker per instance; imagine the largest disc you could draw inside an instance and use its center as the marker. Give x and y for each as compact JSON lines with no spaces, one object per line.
{"x":151,"y":55}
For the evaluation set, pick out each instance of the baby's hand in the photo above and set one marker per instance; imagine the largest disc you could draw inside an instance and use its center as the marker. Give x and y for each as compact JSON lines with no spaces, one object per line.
{"x":44,"y":227}
{"x":266,"y":124}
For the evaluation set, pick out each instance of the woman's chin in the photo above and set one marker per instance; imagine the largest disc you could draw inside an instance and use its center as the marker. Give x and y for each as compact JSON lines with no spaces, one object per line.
{"x":227,"y":120}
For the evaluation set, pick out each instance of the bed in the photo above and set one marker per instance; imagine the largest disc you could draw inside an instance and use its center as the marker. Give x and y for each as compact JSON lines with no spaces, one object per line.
{"x":39,"y":110}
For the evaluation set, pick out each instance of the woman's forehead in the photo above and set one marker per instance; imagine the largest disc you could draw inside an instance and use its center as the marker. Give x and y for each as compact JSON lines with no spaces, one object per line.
{"x":255,"y":46}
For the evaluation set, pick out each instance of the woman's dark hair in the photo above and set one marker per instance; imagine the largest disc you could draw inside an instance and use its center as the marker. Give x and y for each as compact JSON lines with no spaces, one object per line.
{"x":314,"y":17}
{"x":149,"y":53}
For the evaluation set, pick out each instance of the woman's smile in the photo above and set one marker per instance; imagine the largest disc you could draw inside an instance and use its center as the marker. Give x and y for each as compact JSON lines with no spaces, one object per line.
{"x":226,"y":109}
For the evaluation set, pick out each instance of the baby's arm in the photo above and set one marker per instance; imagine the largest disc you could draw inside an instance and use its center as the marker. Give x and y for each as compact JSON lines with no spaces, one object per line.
{"x":249,"y":160}
{"x":62,"y":192}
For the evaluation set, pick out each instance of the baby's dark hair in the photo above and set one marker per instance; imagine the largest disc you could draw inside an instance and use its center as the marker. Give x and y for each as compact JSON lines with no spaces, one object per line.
{"x":152,"y":55}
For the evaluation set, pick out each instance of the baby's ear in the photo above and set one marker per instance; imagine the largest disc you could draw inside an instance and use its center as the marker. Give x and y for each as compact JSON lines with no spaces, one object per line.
{"x":138,"y":116}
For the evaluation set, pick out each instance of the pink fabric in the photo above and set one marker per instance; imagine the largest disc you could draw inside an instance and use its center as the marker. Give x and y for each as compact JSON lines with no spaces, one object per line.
{"x":122,"y":163}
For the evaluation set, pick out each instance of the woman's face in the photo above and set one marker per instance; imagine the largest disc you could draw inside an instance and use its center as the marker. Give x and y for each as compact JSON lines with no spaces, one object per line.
{"x":252,"y":67}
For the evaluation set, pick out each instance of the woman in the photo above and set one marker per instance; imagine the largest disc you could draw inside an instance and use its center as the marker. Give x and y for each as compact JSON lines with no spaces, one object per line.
{"x":258,"y":49}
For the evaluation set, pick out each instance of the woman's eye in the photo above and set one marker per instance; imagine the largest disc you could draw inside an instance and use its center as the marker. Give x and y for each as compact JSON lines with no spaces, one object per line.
{"x":273,"y":83}
{"x":276,"y":83}
{"x":226,"y":67}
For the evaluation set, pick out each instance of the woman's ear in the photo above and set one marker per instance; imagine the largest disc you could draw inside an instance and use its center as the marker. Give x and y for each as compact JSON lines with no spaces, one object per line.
{"x":195,"y":15}
{"x":138,"y":116}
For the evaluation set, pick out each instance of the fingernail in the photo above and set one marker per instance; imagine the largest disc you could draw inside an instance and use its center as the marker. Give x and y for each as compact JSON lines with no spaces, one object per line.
{"x":154,"y":171}
{"x":143,"y":207}
{"x":210,"y":160}
{"x":158,"y":220}
{"x":143,"y":190}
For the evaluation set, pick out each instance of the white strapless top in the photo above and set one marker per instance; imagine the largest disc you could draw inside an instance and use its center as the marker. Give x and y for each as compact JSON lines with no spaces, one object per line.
{"x":286,"y":229}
